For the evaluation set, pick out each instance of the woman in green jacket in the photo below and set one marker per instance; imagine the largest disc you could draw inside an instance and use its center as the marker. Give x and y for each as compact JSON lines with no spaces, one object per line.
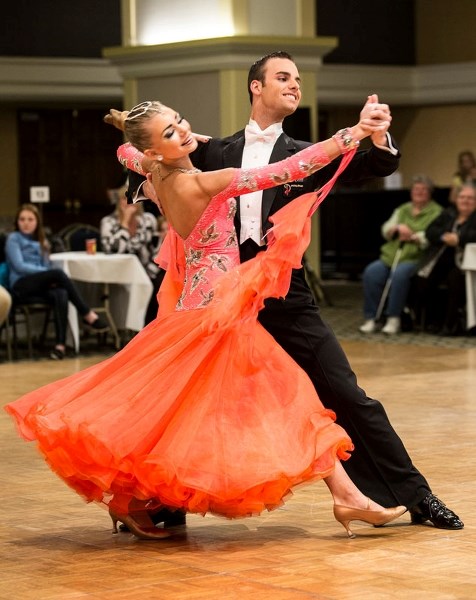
{"x":405,"y":234}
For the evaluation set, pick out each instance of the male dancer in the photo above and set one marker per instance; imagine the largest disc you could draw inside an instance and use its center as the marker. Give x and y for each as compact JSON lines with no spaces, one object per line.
{"x":380,"y":465}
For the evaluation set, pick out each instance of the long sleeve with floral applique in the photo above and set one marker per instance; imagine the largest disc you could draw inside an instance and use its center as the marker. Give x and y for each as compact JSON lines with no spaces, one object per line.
{"x":302,"y":164}
{"x":131,"y":158}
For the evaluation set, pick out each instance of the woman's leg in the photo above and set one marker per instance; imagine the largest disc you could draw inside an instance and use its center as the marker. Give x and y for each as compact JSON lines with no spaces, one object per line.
{"x":456,"y":301}
{"x":399,"y":289}
{"x":5,"y":304}
{"x":374,"y":278}
{"x":351,"y":505}
{"x":60,"y":279}
{"x":59,"y":299}
{"x":38,"y":284}
{"x":345,"y":493}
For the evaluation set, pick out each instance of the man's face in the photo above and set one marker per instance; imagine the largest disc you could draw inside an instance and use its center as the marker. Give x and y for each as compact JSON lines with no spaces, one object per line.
{"x":281,"y":91}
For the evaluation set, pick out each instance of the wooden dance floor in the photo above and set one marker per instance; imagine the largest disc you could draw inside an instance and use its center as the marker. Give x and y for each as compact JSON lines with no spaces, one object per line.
{"x":54,"y":546}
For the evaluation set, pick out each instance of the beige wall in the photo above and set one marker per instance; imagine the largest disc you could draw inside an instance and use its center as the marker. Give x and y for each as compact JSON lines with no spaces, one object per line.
{"x":431,"y":139}
{"x":9,"y":191}
{"x":446,"y":31}
{"x":196,"y":96}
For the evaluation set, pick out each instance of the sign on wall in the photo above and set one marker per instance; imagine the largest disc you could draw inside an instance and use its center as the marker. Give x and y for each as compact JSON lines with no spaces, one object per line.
{"x":40,"y":193}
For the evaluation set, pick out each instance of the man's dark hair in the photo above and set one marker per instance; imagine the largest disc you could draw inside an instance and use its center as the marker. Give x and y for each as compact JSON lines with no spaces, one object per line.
{"x":257,"y":68}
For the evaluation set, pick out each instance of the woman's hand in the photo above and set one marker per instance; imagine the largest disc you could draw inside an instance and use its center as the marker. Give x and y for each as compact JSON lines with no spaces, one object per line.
{"x":450,"y":239}
{"x":200,"y":137}
{"x":405,"y":234}
{"x":375,"y":118}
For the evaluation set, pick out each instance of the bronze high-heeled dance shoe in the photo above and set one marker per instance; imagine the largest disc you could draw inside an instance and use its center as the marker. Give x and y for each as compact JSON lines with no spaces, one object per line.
{"x":144,"y":533}
{"x":346,"y":514}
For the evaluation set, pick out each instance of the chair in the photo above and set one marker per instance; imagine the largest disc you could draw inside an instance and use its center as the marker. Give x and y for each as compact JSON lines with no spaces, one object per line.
{"x":104,"y":309}
{"x":74,"y":237}
{"x":76,"y":234}
{"x":23,"y":313}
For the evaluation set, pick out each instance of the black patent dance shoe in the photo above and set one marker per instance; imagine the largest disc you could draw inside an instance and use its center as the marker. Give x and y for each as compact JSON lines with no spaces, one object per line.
{"x":168,"y":517}
{"x":434,"y":510}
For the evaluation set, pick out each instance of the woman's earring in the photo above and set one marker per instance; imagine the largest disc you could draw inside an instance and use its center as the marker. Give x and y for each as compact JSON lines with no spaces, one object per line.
{"x":159,"y":157}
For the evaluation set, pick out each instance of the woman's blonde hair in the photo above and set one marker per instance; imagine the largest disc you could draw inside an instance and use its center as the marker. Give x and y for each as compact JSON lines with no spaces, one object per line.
{"x":138,"y":135}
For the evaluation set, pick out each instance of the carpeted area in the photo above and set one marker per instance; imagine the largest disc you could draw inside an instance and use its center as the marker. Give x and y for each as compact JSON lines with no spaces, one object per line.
{"x":345,"y":316}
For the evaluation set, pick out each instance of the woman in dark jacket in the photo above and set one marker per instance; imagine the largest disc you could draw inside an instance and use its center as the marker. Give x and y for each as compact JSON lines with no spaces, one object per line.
{"x":448,"y":234}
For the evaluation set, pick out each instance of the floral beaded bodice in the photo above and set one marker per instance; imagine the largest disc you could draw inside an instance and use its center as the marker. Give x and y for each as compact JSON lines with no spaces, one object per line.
{"x":211,"y":249}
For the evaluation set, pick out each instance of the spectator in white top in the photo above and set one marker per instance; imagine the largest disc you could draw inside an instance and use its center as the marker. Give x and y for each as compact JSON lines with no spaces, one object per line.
{"x":131,"y":230}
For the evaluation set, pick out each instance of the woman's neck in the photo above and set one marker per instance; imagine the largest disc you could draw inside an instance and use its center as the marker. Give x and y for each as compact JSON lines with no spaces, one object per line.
{"x":164,"y":170}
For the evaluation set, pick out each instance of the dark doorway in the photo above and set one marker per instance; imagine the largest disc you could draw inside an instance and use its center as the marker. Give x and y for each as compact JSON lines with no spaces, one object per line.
{"x":73,"y":153}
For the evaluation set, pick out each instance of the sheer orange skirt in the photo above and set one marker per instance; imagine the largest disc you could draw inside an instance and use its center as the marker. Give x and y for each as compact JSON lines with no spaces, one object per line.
{"x":202,"y":410}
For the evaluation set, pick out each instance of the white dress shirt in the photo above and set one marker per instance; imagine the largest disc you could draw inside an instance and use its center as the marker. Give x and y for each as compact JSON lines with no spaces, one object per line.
{"x":256,"y":153}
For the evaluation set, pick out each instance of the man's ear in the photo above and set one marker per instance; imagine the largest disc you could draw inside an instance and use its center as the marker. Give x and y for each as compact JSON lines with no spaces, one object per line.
{"x":256,"y":86}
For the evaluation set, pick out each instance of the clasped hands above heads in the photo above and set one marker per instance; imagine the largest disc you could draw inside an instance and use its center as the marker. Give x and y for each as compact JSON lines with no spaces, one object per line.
{"x":374,"y":116}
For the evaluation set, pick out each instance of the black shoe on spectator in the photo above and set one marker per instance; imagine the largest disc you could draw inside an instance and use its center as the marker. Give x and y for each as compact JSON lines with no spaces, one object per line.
{"x":98,"y":325}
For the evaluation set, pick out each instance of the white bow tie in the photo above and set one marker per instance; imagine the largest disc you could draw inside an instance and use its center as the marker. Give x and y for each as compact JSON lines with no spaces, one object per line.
{"x":254,"y":134}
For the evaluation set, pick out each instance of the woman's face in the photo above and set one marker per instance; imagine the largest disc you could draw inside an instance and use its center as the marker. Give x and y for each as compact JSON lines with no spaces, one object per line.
{"x":466,"y":201}
{"x":467,"y":162}
{"x":420,"y":194}
{"x":27,"y":222}
{"x":171,"y":136}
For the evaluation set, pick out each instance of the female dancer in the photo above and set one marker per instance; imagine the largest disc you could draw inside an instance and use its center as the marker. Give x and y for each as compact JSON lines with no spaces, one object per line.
{"x":203,"y":411}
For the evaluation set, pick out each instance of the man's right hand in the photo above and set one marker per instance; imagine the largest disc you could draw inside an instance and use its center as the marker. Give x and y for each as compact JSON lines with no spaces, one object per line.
{"x":375,"y":117}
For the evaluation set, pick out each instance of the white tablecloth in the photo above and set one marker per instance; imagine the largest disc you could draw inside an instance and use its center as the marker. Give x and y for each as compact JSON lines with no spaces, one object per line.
{"x":130,"y":291}
{"x":469,"y":266}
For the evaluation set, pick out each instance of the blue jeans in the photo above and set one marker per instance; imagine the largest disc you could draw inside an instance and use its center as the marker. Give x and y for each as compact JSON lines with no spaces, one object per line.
{"x":374,"y":279}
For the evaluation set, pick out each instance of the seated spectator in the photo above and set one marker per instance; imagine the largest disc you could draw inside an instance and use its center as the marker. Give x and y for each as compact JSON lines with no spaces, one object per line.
{"x":404,"y":230}
{"x":130,"y":230}
{"x":5,"y":304}
{"x":466,"y":173}
{"x":447,"y":234}
{"x":32,"y":276}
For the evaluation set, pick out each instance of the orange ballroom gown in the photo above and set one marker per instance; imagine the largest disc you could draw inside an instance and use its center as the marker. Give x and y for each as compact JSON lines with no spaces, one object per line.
{"x":202,"y":410}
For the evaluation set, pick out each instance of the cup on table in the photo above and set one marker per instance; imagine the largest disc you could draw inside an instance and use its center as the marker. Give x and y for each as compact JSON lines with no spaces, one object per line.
{"x":91,"y":246}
